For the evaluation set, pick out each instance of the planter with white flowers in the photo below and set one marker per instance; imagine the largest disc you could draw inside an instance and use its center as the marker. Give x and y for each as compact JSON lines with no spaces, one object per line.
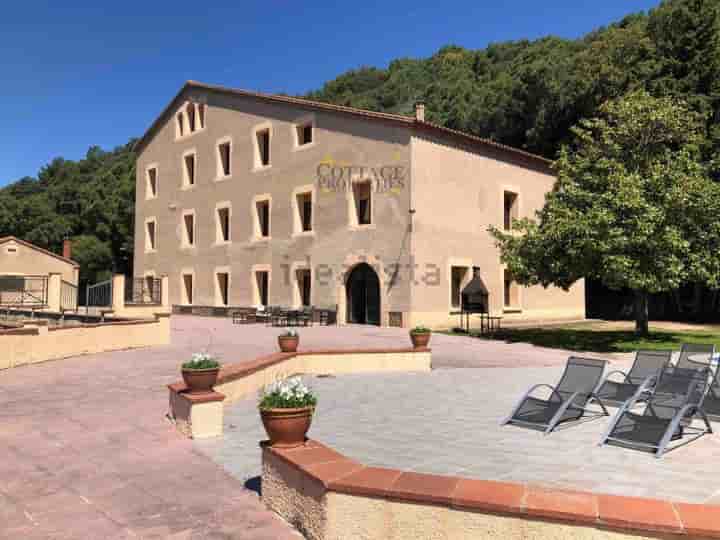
{"x":289,"y":341}
{"x":200,"y":373}
{"x":286,"y":409}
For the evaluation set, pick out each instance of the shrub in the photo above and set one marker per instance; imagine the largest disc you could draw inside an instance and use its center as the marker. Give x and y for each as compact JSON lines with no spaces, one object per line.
{"x":287,"y":394}
{"x":201,"y":361}
{"x":420,"y":330}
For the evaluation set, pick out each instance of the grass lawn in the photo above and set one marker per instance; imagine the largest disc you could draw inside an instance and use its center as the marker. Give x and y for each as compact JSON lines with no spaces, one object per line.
{"x":598,"y":338}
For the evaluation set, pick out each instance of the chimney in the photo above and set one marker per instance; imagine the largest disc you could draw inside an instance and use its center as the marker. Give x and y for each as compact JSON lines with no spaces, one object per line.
{"x":419,"y":111}
{"x":67,"y":248}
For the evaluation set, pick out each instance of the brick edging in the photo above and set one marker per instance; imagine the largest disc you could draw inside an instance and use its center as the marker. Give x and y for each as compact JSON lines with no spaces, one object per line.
{"x":340,"y":474}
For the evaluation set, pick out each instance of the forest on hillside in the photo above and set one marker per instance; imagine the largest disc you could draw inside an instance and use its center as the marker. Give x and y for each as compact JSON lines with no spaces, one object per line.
{"x":522,"y":93}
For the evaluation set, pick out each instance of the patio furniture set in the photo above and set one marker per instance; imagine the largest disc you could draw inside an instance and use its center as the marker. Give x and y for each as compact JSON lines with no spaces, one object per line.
{"x":657,"y":400}
{"x":283,"y":316}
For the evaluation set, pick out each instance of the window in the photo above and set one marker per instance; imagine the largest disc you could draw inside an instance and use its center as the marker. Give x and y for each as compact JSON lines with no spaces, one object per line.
{"x":191,"y":117}
{"x":180,"y":124}
{"x":362,"y":195}
{"x":510,"y":202}
{"x":187,"y":288}
{"x":222,"y":283}
{"x":222,"y":230}
{"x":224,"y":159}
{"x":189,"y":172}
{"x":263,"y":148}
{"x":152,"y":183}
{"x":262,"y":279}
{"x":188,"y":228}
{"x":201,"y":115}
{"x":263,"y":218}
{"x":457,"y":278}
{"x":150,"y":235}
{"x":303,"y":286}
{"x":303,"y":202}
{"x":304,"y":134}
{"x":511,"y":296}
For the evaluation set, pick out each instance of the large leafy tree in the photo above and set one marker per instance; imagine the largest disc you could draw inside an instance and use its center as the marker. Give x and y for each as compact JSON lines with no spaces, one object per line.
{"x":633,"y":206}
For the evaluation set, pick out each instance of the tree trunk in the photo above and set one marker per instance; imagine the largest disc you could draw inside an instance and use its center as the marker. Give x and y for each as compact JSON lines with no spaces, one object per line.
{"x":641,"y":313}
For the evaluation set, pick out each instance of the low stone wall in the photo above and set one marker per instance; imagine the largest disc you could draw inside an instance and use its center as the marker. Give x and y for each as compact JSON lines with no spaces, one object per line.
{"x":199,"y":415}
{"x":36,"y":342}
{"x":329,"y":496}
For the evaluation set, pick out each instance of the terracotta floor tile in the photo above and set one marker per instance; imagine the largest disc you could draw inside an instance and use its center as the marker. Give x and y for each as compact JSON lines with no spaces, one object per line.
{"x":637,"y":513}
{"x":485,"y":495}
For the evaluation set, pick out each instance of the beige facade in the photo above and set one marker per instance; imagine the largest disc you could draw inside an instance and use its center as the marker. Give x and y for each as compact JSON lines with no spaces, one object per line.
{"x":21,"y":258}
{"x":245,"y":199}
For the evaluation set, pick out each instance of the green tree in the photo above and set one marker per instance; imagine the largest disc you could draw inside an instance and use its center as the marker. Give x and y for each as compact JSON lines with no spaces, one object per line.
{"x":94,"y":256}
{"x":633,"y":206}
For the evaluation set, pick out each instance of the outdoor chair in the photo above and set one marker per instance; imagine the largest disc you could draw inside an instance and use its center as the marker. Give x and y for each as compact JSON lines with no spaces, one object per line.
{"x":638,"y":381}
{"x":667,"y":415}
{"x":711,"y":404}
{"x":690,"y":351}
{"x":567,"y":401}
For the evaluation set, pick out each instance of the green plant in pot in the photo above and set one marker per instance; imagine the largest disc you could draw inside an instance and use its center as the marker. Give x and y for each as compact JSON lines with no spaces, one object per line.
{"x":286,"y":409}
{"x":200,"y":373}
{"x":420,"y":336}
{"x":289,"y":340}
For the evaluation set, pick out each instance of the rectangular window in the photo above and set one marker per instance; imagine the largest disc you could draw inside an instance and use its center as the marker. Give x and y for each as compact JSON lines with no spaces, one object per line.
{"x":181,"y":124}
{"x":201,"y":115}
{"x":152,"y":183}
{"x":362,"y":193}
{"x":189,"y":169}
{"x":304,"y":208}
{"x":187,"y":281}
{"x":511,"y":209}
{"x":224,"y":159}
{"x":304,"y":284}
{"x":150,"y":240}
{"x":223,"y":225}
{"x":261,"y":282}
{"x":263,"y":218}
{"x":223,"y":287}
{"x":191,"y":117}
{"x":189,"y":229}
{"x":263,"y":146}
{"x":304,"y":134}
{"x":457,"y":277}
{"x":510,"y":291}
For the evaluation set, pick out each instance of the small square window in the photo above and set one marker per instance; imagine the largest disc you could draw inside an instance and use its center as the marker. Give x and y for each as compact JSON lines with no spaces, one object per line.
{"x":304,"y":134}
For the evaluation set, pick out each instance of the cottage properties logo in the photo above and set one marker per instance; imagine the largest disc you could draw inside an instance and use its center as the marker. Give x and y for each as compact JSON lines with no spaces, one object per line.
{"x":337,"y":176}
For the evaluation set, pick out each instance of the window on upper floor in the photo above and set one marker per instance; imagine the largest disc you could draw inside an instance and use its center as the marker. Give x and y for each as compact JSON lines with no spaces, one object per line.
{"x":180,"y":124}
{"x":262,"y":209}
{"x":188,"y":239}
{"x":152,"y":183}
{"x":151,"y":235}
{"x":189,"y":162}
{"x":224,"y":152}
{"x":304,"y":207}
{"x":222,"y":231}
{"x":262,"y":141}
{"x":304,"y":133}
{"x":362,"y":198}
{"x":510,"y":205}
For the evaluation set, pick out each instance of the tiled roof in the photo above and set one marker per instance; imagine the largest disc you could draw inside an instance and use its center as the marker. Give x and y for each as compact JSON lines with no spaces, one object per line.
{"x":396,"y":119}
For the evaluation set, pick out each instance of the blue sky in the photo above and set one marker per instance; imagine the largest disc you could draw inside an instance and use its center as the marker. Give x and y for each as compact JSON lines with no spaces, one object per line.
{"x":79,"y":73}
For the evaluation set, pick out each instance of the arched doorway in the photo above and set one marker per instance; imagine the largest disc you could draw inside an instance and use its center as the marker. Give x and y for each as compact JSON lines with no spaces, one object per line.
{"x":363,"y":295}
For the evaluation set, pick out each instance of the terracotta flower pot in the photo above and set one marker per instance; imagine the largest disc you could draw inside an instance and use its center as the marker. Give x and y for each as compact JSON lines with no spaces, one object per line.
{"x":200,"y":380}
{"x":287,"y":427}
{"x":420,"y":340}
{"x":288,"y":343}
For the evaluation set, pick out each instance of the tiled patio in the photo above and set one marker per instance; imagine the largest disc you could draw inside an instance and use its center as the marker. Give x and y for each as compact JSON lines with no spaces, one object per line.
{"x":86,"y":453}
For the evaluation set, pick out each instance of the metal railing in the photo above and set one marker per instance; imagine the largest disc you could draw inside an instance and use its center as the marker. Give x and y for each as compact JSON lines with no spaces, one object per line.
{"x":24,"y":291}
{"x":143,"y":290}
{"x":68,"y":296}
{"x":99,"y":295}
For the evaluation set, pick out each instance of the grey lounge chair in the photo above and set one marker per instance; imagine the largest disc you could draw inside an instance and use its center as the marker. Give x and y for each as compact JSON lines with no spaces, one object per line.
{"x":690,"y":350}
{"x":567,"y":401}
{"x":638,"y":381}
{"x":667,"y":414}
{"x":711,"y":403}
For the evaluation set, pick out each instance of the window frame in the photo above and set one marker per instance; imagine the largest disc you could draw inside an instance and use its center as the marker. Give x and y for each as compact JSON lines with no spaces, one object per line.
{"x":185,"y":175}
{"x":219,"y":240}
{"x":257,"y":157}
{"x":297,"y":215}
{"x":222,"y":270}
{"x":220,"y":168}
{"x":299,"y":124}
{"x":185,"y":240}
{"x":257,"y":235}
{"x":151,"y":247}
{"x":185,"y":300}
{"x":149,"y":194}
